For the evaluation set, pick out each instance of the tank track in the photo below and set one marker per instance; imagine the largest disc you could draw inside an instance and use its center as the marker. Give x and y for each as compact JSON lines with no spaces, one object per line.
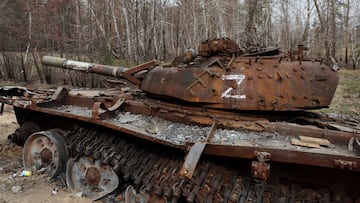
{"x":154,"y":170}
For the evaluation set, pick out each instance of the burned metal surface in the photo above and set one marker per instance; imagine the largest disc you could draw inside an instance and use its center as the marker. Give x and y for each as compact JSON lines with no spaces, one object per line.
{"x":247,"y":84}
{"x":21,"y":134}
{"x":142,"y":120}
{"x":13,"y":91}
{"x":223,"y":77}
{"x":90,"y":177}
{"x":260,"y":169}
{"x":186,"y":133}
{"x":218,"y":46}
{"x":215,"y":179}
{"x":46,"y":149}
{"x":193,"y":156}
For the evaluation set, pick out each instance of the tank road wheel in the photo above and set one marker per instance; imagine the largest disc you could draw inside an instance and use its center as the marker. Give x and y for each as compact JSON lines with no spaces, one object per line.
{"x":45,"y":149}
{"x":91,"y":177}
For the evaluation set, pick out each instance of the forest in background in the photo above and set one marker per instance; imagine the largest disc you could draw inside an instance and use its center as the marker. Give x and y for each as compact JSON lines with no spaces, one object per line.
{"x":134,"y":31}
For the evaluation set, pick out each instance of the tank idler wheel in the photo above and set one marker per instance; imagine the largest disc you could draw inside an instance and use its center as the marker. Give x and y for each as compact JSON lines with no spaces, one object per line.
{"x":90,"y":177}
{"x":45,"y":149}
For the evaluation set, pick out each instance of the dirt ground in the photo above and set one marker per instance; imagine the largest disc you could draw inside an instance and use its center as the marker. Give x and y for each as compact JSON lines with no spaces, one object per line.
{"x":36,"y":188}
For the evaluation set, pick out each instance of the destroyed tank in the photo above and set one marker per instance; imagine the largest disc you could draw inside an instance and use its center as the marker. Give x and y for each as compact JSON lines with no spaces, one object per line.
{"x":224,"y":124}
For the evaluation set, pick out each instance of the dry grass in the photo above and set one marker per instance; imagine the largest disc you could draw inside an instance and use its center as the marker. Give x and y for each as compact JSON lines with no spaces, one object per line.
{"x":347,"y":95}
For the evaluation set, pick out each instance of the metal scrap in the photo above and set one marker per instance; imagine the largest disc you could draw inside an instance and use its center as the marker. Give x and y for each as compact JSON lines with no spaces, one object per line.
{"x":193,"y":156}
{"x":354,"y":145}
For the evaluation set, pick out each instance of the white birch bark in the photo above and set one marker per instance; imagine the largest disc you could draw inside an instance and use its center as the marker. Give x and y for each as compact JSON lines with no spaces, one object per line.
{"x":29,"y":31}
{"x":221,"y":11}
{"x":204,"y":18}
{"x":127,"y":28}
{"x":118,"y":37}
{"x":101,"y":30}
{"x":195,"y":23}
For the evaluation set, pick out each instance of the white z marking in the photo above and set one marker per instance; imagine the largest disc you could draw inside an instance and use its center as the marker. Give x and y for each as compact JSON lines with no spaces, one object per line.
{"x":227,"y":93}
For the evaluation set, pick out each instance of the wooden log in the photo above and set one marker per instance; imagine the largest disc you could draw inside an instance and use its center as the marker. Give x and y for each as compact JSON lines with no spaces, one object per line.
{"x":314,"y":140}
{"x":304,"y":144}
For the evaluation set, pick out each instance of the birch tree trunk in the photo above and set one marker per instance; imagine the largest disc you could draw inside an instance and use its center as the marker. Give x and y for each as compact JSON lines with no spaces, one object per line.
{"x":136,"y":29}
{"x":269,"y":24}
{"x":29,"y":42}
{"x":347,"y":12}
{"x":221,"y":14}
{"x":116,"y":26}
{"x":204,"y":18}
{"x":153,"y":31}
{"x":305,"y":35}
{"x":333,"y":28}
{"x":101,"y":28}
{"x":250,"y":25}
{"x":285,"y":35}
{"x":127,"y":28}
{"x":324,"y":29}
{"x":29,"y":31}
{"x":195,"y":23}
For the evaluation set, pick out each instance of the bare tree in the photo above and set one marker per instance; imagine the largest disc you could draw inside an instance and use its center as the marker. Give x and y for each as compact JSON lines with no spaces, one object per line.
{"x":133,"y":31}
{"x":204,"y":17}
{"x":346,"y":20}
{"x":305,"y":35}
{"x":324,"y":28}
{"x":250,"y":25}
{"x":333,"y":28}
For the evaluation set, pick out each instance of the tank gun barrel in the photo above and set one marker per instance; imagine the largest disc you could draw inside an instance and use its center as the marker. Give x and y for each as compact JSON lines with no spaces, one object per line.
{"x":83,"y":66}
{"x":115,"y":71}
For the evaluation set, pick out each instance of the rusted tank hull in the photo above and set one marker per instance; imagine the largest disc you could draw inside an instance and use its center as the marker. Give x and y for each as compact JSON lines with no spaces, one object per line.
{"x":147,"y":142}
{"x":217,"y":178}
{"x":145,"y":126}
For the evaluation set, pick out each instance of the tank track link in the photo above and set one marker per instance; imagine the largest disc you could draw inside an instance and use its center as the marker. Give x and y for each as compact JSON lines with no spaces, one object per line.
{"x":154,"y":170}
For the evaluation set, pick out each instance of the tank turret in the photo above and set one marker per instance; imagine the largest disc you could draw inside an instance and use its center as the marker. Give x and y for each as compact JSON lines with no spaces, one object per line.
{"x":224,"y":76}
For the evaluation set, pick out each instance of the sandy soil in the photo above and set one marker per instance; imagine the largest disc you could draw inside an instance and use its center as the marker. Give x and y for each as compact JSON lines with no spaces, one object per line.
{"x":36,"y":188}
